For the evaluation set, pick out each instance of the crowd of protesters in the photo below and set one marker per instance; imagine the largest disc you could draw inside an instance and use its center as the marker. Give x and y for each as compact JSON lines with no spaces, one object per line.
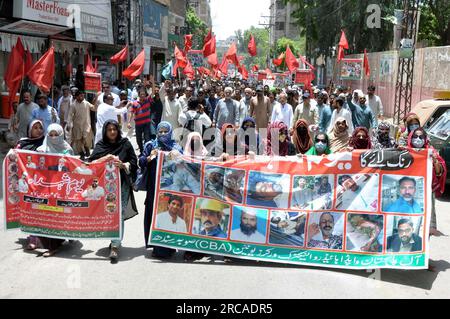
{"x":206,"y":119}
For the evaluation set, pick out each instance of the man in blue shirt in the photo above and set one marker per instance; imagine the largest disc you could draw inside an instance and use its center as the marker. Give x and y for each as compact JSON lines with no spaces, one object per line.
{"x":211,"y":212}
{"x":362,"y":114}
{"x":406,"y":203}
{"x":325,"y":112}
{"x":45,"y":112}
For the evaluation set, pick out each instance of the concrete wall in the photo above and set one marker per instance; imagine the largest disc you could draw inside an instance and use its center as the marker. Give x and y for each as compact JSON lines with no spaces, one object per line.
{"x":431,"y":72}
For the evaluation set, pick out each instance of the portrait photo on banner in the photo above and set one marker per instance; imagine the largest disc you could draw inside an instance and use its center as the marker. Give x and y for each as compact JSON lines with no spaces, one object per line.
{"x":268,"y":190}
{"x":403,"y":194}
{"x":287,"y":228}
{"x":312,"y":192}
{"x":249,"y":225}
{"x":365,"y":233}
{"x":326,"y":231}
{"x":211,"y":218}
{"x":224,"y":183}
{"x":404,"y":234}
{"x":358,"y":192}
{"x":181,"y":176}
{"x":174,"y":213}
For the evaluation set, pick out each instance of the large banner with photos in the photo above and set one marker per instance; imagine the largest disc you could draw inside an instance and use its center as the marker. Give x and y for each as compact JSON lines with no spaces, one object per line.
{"x":360,"y":210}
{"x":61,"y":197}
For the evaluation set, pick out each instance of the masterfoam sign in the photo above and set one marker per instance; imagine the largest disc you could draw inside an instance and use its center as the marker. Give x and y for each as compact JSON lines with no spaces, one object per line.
{"x":91,"y":19}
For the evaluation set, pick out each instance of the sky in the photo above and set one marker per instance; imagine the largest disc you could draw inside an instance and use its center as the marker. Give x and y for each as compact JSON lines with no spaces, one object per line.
{"x":231,"y":15}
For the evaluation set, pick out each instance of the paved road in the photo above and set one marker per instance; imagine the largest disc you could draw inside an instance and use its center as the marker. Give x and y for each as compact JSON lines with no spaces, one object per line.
{"x":84,"y":271}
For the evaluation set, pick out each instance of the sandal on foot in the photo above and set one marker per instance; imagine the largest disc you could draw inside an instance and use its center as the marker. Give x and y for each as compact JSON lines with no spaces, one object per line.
{"x":114,"y":253}
{"x":31,"y":247}
{"x":49,"y":253}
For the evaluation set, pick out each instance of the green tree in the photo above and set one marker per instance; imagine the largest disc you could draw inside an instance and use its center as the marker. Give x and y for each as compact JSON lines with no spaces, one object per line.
{"x":321,"y":22}
{"x":196,"y":27}
{"x":262,"y":42}
{"x":435,"y":22}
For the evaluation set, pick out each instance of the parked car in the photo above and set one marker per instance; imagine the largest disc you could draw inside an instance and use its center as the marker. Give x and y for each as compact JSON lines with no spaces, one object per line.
{"x":435,"y":119}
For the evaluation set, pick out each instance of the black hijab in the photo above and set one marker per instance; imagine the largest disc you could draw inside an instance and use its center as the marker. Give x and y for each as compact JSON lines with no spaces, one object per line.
{"x":29,"y":143}
{"x":121,"y":148}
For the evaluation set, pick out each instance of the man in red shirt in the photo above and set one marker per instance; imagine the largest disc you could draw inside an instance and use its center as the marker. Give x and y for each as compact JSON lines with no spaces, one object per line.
{"x":140,"y":112}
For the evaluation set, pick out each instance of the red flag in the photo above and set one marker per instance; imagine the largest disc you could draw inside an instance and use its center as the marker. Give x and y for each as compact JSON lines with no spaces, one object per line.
{"x":210,"y":47}
{"x":366,"y":63}
{"x":121,"y":56}
{"x":136,"y":67}
{"x":291,"y":61}
{"x":181,"y":58}
{"x":341,"y":54}
{"x":189,"y":70}
{"x":243,"y":71}
{"x":89,"y":67}
{"x":343,"y":42}
{"x":231,"y":54}
{"x":208,"y":36}
{"x":204,"y":71}
{"x":255,"y":68}
{"x":252,"y":46}
{"x":175,"y":70}
{"x":43,"y":71}
{"x":28,"y":60}
{"x":212,"y":59}
{"x":279,"y":61}
{"x":188,"y":42}
{"x":224,"y":66}
{"x":303,"y":59}
{"x":15,"y":71}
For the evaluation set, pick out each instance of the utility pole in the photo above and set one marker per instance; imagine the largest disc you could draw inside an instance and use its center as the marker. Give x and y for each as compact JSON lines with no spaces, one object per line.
{"x":405,"y":74}
{"x":268,"y":27}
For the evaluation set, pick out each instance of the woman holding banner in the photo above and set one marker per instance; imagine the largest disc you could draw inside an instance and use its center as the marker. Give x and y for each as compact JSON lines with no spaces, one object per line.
{"x":113,"y":147}
{"x":35,"y":138}
{"x":278,"y":143}
{"x":360,"y":140}
{"x":148,"y":163}
{"x":321,"y":145}
{"x":54,"y":144}
{"x":418,"y":139}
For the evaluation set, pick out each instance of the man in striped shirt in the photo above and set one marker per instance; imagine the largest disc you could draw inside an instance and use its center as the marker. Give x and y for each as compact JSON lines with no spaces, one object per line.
{"x":140,"y":112}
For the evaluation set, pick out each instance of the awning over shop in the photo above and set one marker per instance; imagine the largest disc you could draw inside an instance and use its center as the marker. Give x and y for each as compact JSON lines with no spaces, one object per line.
{"x":33,"y":44}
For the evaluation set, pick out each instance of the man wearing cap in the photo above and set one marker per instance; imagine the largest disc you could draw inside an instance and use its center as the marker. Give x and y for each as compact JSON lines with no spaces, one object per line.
{"x":248,"y":229}
{"x":282,"y":112}
{"x":211,"y":212}
{"x":79,"y":124}
{"x":306,"y":111}
{"x":260,"y":108}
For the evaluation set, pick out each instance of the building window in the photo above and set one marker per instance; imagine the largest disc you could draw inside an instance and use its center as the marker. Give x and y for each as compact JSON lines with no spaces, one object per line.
{"x":280,"y":5}
{"x":279,"y":26}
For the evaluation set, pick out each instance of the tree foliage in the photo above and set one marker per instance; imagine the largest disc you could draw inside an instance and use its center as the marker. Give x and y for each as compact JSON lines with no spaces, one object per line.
{"x":321,"y":21}
{"x":196,"y":27}
{"x":435,"y":22}
{"x":262,"y":42}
